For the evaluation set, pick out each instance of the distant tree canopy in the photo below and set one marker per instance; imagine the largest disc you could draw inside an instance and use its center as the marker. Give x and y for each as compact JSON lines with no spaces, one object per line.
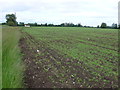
{"x":79,"y":25}
{"x":11,"y":20}
{"x":70,"y":25}
{"x":98,"y":26}
{"x":33,"y":24}
{"x":21,"y":24}
{"x":119,"y":26}
{"x":103,"y":25}
{"x":114,"y":26}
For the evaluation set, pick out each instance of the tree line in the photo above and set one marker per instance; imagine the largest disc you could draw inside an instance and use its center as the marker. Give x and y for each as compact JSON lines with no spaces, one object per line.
{"x":11,"y":21}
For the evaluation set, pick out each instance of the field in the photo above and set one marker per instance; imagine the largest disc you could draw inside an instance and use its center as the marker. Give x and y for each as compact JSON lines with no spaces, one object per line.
{"x":70,"y":57}
{"x":12,"y":66}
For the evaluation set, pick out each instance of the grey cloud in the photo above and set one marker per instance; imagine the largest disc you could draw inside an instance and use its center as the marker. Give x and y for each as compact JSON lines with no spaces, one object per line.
{"x":58,"y":11}
{"x":16,"y":7}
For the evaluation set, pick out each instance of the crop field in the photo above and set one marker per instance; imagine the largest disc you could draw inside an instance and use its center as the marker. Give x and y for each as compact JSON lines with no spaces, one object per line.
{"x":71,"y":57}
{"x":12,"y":66}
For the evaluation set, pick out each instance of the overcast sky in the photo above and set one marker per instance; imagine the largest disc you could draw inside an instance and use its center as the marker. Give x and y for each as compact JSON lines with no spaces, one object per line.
{"x":86,"y":12}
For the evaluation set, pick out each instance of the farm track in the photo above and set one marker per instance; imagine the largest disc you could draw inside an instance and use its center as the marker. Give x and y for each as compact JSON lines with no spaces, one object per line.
{"x":37,"y":77}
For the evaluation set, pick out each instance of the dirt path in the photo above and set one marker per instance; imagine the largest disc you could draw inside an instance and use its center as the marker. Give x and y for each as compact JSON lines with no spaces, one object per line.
{"x":47,"y":68}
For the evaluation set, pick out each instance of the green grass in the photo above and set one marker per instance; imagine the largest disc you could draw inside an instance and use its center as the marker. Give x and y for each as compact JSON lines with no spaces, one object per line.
{"x":0,"y":56}
{"x":11,"y":58}
{"x":96,"y":48}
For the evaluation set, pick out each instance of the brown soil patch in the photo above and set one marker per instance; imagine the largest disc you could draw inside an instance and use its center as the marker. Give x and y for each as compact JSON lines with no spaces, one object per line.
{"x":34,"y":75}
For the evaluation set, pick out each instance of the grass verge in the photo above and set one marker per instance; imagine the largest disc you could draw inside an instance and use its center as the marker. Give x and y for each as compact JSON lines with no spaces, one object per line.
{"x":12,"y":69}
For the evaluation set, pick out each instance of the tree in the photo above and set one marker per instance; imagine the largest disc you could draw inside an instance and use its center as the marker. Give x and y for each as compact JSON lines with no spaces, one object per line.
{"x":3,"y":23}
{"x":45,"y":24}
{"x":50,"y":24}
{"x":98,"y":26}
{"x":21,"y":24}
{"x":79,"y":25}
{"x":67,"y":25}
{"x":103,"y":25}
{"x":11,"y":20}
{"x":114,"y":26}
{"x":119,"y":26}
{"x":35,"y":24}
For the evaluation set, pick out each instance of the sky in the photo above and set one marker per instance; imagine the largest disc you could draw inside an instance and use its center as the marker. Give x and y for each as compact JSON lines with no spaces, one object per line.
{"x":86,"y":12}
{"x":119,"y":13}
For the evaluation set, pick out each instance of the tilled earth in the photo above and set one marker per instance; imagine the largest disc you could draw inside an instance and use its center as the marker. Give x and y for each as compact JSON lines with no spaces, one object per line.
{"x":46,"y":68}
